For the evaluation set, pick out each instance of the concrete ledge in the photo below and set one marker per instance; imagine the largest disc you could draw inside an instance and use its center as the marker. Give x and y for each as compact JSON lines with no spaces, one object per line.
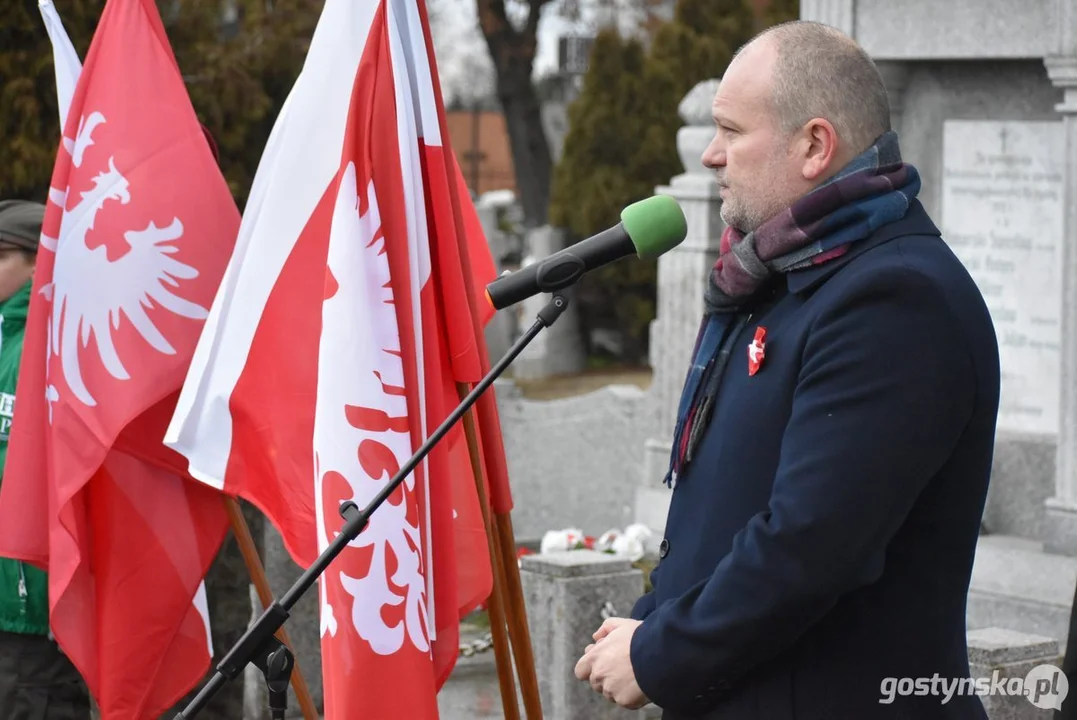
{"x":1027,"y":665}
{"x":958,"y":29}
{"x":997,"y":646}
{"x":1016,"y":585}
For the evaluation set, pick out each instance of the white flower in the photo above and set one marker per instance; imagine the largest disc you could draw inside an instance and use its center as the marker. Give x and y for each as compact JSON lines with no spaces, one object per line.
{"x":639,"y":531}
{"x":606,"y":539}
{"x":630,"y":544}
{"x":560,"y":540}
{"x":628,"y":547}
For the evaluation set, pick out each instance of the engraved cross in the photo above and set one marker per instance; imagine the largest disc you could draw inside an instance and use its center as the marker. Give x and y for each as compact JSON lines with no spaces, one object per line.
{"x":1003,"y":134}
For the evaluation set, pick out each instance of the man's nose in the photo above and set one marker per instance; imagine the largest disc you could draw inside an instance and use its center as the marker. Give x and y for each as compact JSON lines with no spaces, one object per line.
{"x":714,"y":154}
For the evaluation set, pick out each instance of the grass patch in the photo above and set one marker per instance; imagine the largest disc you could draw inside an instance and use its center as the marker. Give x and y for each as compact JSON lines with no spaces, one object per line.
{"x":646,"y":565}
{"x":479,"y":619}
{"x":583,"y":383}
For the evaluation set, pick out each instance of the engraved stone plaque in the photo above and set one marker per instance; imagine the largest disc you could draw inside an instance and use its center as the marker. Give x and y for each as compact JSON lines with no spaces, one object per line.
{"x":1002,"y":215}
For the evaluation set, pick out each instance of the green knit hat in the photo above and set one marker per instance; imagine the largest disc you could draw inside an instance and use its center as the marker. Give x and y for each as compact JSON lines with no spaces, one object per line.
{"x":20,"y":223}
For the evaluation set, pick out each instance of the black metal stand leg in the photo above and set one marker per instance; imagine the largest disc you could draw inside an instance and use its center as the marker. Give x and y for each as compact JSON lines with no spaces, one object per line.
{"x":275,"y":661}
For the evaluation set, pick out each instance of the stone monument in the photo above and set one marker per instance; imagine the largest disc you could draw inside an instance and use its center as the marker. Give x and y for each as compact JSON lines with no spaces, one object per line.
{"x":682,"y":278}
{"x":1002,"y":215}
{"x":501,"y":330}
{"x":557,"y":350}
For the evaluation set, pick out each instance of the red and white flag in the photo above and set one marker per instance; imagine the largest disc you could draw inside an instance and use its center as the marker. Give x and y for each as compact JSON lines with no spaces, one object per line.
{"x":349,"y":311}
{"x":137,"y":233}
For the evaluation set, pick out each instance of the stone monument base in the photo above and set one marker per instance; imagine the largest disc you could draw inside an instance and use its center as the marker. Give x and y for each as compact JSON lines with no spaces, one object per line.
{"x":652,"y":496}
{"x":1060,"y":532}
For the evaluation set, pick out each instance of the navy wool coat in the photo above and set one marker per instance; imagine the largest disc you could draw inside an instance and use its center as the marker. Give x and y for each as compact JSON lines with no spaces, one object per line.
{"x":822,"y":539}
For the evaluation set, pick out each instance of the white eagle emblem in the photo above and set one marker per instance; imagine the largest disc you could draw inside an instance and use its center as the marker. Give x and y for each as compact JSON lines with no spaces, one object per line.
{"x":91,"y":294}
{"x":361,"y":439}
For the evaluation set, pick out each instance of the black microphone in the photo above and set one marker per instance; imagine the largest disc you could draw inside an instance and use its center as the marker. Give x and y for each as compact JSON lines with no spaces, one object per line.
{"x":647,"y":229}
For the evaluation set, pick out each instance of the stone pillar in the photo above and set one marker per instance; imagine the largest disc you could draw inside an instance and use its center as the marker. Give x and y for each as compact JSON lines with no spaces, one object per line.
{"x":557,"y":350}
{"x":500,"y":333}
{"x":567,"y":597}
{"x":495,"y":237}
{"x":1061,"y":511}
{"x":501,"y":330}
{"x":682,"y":278}
{"x":1013,"y":656}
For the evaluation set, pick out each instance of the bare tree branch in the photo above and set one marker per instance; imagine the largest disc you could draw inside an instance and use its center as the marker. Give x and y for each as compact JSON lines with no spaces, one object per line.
{"x":495,"y":25}
{"x":513,"y":54}
{"x":534,"y":16}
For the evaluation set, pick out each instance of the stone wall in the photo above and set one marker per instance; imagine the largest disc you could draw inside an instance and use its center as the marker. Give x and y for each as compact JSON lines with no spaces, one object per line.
{"x":573,"y":462}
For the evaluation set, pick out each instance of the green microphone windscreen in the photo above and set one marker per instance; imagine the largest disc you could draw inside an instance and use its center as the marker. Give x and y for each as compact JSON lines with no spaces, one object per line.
{"x":655,"y":225}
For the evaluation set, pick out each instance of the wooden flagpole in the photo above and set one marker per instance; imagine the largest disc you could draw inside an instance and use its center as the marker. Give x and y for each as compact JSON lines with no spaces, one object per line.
{"x":261,"y":583}
{"x":517,"y":615}
{"x":495,"y":605}
{"x":503,"y":564}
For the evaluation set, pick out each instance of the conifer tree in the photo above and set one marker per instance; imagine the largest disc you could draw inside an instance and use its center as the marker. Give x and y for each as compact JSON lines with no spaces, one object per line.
{"x":29,"y":120}
{"x":238,"y":73}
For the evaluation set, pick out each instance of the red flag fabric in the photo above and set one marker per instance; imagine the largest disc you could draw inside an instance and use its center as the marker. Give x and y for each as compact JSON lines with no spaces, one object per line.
{"x":454,"y":217}
{"x":350,"y":311}
{"x":137,"y":234}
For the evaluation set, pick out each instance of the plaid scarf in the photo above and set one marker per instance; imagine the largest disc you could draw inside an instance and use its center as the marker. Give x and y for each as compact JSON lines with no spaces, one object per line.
{"x":873,"y":190}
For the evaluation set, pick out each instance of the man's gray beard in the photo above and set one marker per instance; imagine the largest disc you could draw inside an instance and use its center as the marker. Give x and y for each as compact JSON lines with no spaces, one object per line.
{"x":740,"y":223}
{"x":748,"y":222}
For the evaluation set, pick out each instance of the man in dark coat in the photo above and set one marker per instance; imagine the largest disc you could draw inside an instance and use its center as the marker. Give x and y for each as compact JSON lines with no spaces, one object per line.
{"x":834,"y":439}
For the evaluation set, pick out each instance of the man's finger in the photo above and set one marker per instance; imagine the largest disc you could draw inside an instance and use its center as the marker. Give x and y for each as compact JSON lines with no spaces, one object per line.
{"x":583,"y":667}
{"x":607,"y":627}
{"x":624,"y":699}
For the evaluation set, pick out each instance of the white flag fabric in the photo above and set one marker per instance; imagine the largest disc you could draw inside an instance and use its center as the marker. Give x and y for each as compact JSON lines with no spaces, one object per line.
{"x":64,"y":58}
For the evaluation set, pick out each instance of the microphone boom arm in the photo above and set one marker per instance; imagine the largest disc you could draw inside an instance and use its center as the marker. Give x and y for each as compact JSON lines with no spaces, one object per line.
{"x":562,"y":269}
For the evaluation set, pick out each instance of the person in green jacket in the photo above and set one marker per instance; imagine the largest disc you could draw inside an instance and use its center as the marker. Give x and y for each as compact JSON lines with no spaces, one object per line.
{"x":36,"y":678}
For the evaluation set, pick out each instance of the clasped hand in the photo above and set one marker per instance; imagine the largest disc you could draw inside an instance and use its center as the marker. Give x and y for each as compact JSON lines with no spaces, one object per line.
{"x":607,"y":664}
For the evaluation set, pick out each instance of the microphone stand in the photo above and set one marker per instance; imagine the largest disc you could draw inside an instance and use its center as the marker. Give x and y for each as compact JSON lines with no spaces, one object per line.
{"x":259,"y":644}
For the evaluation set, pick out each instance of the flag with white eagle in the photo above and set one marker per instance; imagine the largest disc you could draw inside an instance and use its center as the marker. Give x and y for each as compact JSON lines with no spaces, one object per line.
{"x":349,"y":312}
{"x":137,"y":233}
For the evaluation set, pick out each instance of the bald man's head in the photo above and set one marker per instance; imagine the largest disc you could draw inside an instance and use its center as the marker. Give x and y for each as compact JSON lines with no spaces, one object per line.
{"x":819,"y":72}
{"x":794,"y":106}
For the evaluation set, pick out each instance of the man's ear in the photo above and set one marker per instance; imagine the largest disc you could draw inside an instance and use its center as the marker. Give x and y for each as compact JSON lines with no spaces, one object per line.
{"x":823,"y":150}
